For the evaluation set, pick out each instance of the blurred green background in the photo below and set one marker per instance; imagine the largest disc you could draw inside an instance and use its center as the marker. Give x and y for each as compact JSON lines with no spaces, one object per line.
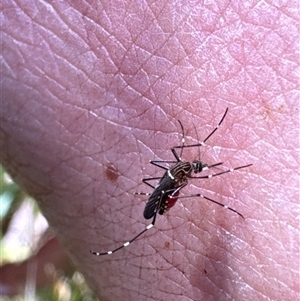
{"x":34,"y":266}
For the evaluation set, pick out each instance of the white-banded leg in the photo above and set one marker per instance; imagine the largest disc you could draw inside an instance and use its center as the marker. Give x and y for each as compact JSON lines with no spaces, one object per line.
{"x":178,"y":158}
{"x":211,"y":200}
{"x":222,"y":172}
{"x":126,"y":244}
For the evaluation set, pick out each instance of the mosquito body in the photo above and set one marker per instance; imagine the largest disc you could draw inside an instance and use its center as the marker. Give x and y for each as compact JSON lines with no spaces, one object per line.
{"x":166,"y":192}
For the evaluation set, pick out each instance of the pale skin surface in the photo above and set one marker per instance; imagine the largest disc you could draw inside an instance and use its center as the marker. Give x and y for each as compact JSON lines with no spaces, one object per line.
{"x":91,"y":92}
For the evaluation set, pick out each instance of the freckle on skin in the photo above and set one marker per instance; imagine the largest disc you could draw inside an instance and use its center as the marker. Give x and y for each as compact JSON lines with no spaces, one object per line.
{"x":111,"y":172}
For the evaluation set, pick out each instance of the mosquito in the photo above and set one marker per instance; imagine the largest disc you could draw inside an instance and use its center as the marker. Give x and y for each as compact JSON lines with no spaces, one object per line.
{"x":166,"y":193}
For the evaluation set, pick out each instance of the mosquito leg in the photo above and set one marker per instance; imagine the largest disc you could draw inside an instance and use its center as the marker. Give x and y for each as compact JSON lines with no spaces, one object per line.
{"x":126,"y":244}
{"x":150,"y":179}
{"x":203,"y":142}
{"x":216,"y":126}
{"x":222,"y":172}
{"x":211,"y":200}
{"x":157,"y":163}
{"x":179,"y":158}
{"x":142,"y":193}
{"x":205,"y":166}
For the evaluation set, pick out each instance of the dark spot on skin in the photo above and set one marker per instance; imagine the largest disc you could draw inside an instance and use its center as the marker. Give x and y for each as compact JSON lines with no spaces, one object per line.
{"x":167,"y":245}
{"x":111,"y":172}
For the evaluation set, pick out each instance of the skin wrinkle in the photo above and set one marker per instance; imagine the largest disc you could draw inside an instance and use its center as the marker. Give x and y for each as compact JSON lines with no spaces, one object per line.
{"x":72,"y":63}
{"x":35,"y":20}
{"x":53,"y":78}
{"x":109,"y":35}
{"x":152,"y":84}
{"x":101,"y":42}
{"x":142,"y":68}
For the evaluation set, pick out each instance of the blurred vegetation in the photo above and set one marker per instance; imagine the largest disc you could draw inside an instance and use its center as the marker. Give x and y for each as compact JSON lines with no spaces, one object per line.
{"x":16,"y":247}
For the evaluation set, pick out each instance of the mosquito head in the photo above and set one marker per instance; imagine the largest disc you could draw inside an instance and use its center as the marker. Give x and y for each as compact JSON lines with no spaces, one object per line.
{"x":198,"y":166}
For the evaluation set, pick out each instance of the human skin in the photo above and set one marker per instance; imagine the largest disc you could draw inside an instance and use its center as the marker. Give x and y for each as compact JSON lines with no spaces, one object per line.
{"x":92,"y":91}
